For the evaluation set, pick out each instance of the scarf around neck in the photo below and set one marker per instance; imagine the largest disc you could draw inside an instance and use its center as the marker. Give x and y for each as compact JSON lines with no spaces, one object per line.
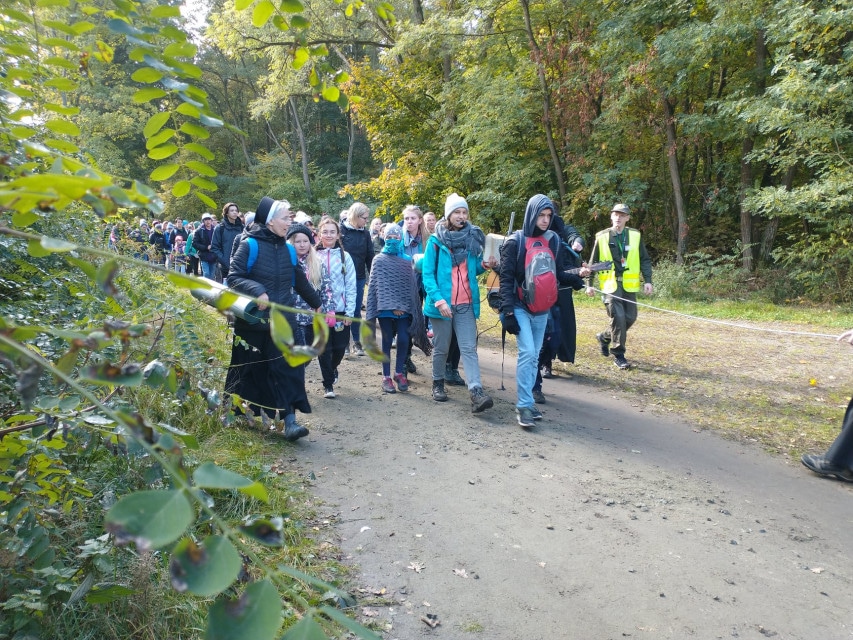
{"x":469,"y":239}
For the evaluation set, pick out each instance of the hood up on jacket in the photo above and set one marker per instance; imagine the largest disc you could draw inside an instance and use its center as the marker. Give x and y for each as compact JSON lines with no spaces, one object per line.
{"x":534,"y":207}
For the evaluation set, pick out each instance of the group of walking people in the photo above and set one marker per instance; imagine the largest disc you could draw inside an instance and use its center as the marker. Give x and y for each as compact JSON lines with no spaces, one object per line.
{"x":423,"y":290}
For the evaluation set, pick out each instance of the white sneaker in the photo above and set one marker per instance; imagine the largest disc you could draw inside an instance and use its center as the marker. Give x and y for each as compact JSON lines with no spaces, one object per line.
{"x":329,"y":392}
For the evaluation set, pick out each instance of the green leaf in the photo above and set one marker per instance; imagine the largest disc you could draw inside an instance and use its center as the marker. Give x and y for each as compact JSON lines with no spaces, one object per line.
{"x":164,"y":172}
{"x":201,"y":183}
{"x":331,"y":94}
{"x":155,"y":123}
{"x":225,"y":299}
{"x":181,"y":188}
{"x":292,"y":6}
{"x":189,"y":110}
{"x":159,"y":138}
{"x":206,"y":199}
{"x":240,"y":5}
{"x":151,"y":519}
{"x":201,"y":150}
{"x":187,"y":282}
{"x":205,"y":569}
{"x":163,"y":151}
{"x":165,"y":11}
{"x":105,"y":595}
{"x":300,"y":57}
{"x":261,"y":13}
{"x":86,"y":267}
{"x":55,"y":244}
{"x":146,"y":95}
{"x":299,"y":22}
{"x":105,"y":276}
{"x":282,"y":337}
{"x":35,"y":249}
{"x":341,"y":77}
{"x":181,"y":50}
{"x":61,"y":145}
{"x":106,"y":373}
{"x":266,"y":531}
{"x":201,"y":168}
{"x":64,"y":127}
{"x":194,"y":130}
{"x":256,"y":614}
{"x":146,"y":75}
{"x":305,"y":629}
{"x":209,"y":476}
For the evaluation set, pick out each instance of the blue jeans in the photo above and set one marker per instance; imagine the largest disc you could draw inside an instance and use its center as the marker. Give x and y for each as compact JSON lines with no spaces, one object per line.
{"x":529,"y":339}
{"x":208,"y":269}
{"x":359,"y":298}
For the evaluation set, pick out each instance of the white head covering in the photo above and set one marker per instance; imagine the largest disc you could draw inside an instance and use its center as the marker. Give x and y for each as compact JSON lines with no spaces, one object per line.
{"x":454,"y":201}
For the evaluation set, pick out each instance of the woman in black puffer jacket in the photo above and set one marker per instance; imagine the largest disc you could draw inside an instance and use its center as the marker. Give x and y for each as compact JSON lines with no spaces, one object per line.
{"x":259,"y":374}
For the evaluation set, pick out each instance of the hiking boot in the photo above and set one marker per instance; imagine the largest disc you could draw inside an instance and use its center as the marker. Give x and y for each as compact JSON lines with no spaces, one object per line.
{"x":292,"y":430}
{"x":546,"y":372}
{"x":621,"y":362}
{"x":821,"y":466}
{"x":402,"y":382}
{"x":438,"y":393}
{"x":328,"y":392}
{"x":410,"y":366}
{"x":480,"y":401}
{"x":603,"y":343}
{"x":452,"y":377}
{"x":357,"y":349}
{"x":388,"y":385}
{"x":537,"y":415}
{"x":538,"y":396}
{"x":525,"y":417}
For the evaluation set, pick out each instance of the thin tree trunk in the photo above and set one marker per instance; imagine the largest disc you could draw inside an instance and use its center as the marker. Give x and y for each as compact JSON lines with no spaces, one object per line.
{"x":418,"y":11}
{"x":745,"y":215}
{"x":675,"y":178}
{"x":351,"y":150}
{"x":274,"y":138}
{"x":297,"y":127}
{"x":768,"y":238}
{"x":546,"y":103}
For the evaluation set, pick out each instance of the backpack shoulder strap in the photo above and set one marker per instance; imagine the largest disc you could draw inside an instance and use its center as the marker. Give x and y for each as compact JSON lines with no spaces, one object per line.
{"x":253,"y":254}
{"x":293,"y":261}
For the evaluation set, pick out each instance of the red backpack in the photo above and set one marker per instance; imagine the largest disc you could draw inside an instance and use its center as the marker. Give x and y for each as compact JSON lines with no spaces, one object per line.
{"x":540,"y":286}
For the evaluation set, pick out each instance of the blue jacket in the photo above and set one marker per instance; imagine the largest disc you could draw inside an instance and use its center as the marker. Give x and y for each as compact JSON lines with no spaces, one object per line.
{"x":439,"y":286}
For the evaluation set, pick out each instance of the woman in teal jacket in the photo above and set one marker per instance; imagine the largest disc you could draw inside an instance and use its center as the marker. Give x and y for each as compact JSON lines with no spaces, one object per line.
{"x":452,"y":260}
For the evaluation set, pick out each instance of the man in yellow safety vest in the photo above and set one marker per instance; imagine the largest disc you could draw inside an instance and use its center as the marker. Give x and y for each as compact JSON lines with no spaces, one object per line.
{"x":624,"y":247}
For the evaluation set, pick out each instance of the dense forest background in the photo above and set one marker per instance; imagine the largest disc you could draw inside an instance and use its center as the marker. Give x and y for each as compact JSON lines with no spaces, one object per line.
{"x":726,"y":127}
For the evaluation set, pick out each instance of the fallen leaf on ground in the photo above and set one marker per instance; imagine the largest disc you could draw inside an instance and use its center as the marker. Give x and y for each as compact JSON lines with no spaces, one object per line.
{"x":365,"y":528}
{"x":460,"y":572}
{"x":417,"y":567}
{"x":817,"y":570}
{"x":370,"y":613}
{"x":431,"y":619}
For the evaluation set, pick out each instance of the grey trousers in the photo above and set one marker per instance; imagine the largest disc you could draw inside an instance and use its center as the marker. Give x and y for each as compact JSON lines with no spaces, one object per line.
{"x":622,"y":315}
{"x":465,"y":325}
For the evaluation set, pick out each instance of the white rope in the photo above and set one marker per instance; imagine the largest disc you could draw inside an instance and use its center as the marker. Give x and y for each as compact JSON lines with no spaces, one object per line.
{"x":720,"y":322}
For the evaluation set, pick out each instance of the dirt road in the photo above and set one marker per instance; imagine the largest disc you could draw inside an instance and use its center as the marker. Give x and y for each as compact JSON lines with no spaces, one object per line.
{"x":606,"y":521}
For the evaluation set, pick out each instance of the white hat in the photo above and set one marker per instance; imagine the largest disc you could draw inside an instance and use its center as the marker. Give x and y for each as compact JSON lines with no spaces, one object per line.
{"x":205,"y":216}
{"x":454,"y":201}
{"x":301,"y":218}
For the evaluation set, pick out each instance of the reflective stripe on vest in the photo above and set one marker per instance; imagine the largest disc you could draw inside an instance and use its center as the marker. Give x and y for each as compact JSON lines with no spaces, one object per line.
{"x":631,"y":275}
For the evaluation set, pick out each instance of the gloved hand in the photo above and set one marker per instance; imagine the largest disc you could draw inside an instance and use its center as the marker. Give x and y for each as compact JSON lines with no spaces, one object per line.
{"x":510,"y":324}
{"x":330,"y":319}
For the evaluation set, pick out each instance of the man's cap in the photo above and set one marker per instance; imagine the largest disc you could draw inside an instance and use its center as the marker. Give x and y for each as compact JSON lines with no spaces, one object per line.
{"x":301,"y":218}
{"x":621,"y":208}
{"x":205,"y":216}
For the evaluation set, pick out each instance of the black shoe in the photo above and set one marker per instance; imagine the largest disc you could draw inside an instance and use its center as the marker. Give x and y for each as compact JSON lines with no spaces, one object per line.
{"x":525,"y":417}
{"x":410,"y":366}
{"x":452,"y":377}
{"x":357,"y":349}
{"x":621,"y":362}
{"x":823,"y":467}
{"x":546,"y":372}
{"x":293,"y":431}
{"x":438,"y":393}
{"x":480,"y":401}
{"x":538,"y":396}
{"x":604,"y":344}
